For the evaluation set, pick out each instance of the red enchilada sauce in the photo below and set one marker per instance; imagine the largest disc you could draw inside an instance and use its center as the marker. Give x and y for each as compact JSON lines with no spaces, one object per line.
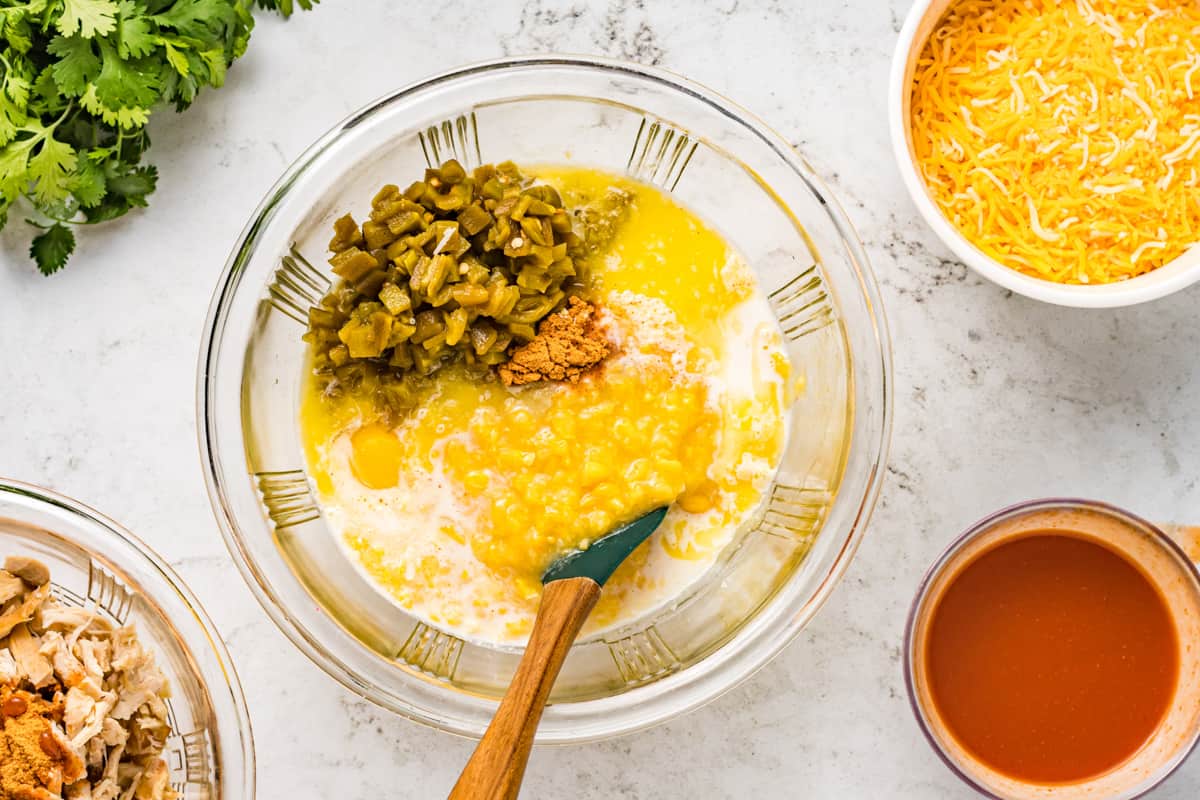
{"x":1051,"y":658}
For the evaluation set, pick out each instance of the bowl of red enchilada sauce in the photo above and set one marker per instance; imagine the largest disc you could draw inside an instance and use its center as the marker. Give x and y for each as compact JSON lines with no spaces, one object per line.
{"x":1051,"y":653}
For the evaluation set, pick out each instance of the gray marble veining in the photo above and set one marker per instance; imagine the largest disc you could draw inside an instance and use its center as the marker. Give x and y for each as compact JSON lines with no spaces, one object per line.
{"x":998,"y":398}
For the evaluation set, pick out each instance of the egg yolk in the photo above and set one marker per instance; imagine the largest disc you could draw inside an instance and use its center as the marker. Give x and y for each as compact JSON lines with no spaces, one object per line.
{"x":376,"y":456}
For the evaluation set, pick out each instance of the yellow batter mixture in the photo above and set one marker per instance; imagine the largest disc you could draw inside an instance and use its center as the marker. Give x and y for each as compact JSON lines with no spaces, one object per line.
{"x":455,"y":511}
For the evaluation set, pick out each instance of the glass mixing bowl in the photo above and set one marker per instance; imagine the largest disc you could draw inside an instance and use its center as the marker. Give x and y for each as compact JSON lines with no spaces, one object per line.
{"x":95,"y":562}
{"x":717,"y":160}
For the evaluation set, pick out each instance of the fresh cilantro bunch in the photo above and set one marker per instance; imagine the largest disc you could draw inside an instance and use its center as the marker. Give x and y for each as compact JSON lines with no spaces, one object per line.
{"x":78,"y":81}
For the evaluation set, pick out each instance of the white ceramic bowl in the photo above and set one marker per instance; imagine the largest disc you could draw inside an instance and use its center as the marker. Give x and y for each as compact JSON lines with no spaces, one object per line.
{"x":1171,"y":277}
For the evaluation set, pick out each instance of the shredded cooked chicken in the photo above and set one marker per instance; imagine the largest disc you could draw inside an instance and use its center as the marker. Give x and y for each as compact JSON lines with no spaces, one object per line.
{"x":82,"y":704}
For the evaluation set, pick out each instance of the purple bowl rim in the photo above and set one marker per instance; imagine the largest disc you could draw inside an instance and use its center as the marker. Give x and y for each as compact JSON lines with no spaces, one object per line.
{"x":974,"y":530}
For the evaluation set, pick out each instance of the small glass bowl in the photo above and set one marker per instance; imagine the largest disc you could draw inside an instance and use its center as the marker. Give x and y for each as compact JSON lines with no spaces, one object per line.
{"x":95,"y":562}
{"x":717,"y":160}
{"x":1158,"y":556}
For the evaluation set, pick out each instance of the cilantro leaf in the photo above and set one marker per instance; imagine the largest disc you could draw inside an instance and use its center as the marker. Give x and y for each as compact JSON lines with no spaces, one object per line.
{"x":177,"y":59}
{"x":14,"y":164}
{"x":19,"y":34}
{"x":14,"y":99}
{"x":241,"y":37}
{"x":126,"y":188}
{"x":47,"y":99}
{"x":135,"y":32}
{"x":52,"y":248}
{"x":16,"y":81}
{"x":88,"y":184}
{"x":14,"y":94}
{"x":87,"y":17}
{"x":199,"y":19}
{"x":11,"y":119}
{"x":50,"y":168}
{"x":132,"y":83}
{"x":127,"y":117}
{"x":13,"y":10}
{"x":215,"y":60}
{"x":47,"y":169}
{"x":286,"y":7}
{"x":14,"y":23}
{"x":78,"y":64}
{"x":178,"y":89}
{"x":134,"y":184}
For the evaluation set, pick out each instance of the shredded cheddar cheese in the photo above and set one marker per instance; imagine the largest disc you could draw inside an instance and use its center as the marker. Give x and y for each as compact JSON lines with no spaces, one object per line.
{"x":1063,"y":138}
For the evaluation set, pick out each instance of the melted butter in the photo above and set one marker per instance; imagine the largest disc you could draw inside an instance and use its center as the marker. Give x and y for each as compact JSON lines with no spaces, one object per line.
{"x":662,"y":251}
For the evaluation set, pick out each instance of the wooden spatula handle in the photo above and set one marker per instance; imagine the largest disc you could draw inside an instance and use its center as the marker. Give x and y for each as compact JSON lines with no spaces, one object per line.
{"x":498,"y":764}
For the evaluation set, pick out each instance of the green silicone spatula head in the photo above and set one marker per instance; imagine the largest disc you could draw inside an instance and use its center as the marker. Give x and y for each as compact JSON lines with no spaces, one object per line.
{"x":601,"y":559}
{"x":570,"y":589}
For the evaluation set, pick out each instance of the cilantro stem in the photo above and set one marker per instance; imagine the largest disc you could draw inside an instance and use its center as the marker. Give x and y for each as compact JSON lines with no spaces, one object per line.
{"x":50,"y":215}
{"x":70,"y":107}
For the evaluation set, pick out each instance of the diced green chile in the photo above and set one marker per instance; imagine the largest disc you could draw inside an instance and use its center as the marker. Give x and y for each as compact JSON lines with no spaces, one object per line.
{"x":456,"y":267}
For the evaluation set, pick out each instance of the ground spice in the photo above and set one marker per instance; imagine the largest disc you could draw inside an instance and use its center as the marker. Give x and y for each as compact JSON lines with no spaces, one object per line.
{"x":567,"y":344}
{"x":27,"y":770}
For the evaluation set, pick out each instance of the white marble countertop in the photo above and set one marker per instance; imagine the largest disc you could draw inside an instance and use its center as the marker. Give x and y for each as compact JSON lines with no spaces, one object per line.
{"x":998,"y":398}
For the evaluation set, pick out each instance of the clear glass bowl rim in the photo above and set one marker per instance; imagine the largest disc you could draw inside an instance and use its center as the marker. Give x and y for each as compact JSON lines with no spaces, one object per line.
{"x":129,"y":548}
{"x":963,"y":539}
{"x":762,"y":645}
